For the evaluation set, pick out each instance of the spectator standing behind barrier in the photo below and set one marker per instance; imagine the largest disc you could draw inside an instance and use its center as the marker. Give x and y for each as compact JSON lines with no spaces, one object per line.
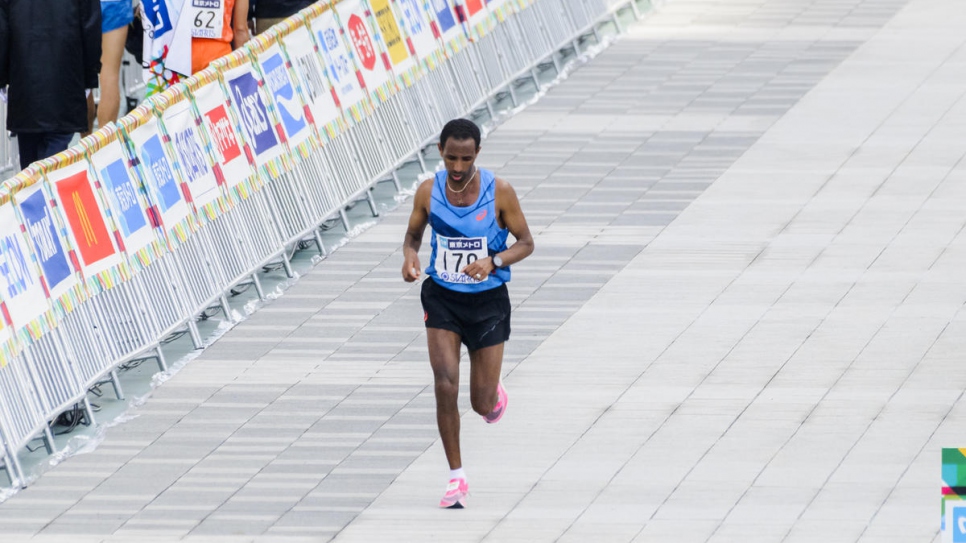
{"x":270,"y":12}
{"x":116,"y":15}
{"x":51,"y":53}
{"x":217,"y":27}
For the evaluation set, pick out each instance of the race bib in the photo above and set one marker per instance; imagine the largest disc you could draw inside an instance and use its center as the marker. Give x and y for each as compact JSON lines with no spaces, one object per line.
{"x":454,"y":254}
{"x":207,"y":18}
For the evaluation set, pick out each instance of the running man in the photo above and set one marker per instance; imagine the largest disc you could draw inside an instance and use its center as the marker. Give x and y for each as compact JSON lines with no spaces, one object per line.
{"x":465,"y":300}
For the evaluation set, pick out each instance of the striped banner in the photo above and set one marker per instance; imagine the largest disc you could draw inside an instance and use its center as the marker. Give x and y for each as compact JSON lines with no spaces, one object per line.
{"x":261,"y":129}
{"x":8,"y":345}
{"x":58,"y":265}
{"x":369,"y":58}
{"x":446,"y":25}
{"x":89,"y":227}
{"x":283,"y":97}
{"x":393,"y":40}
{"x":344,"y":78}
{"x":23,"y":295}
{"x":223,"y":135}
{"x":178,"y":124}
{"x":124,"y":195}
{"x":302,"y":54}
{"x":168,"y":207}
{"x":416,"y":18}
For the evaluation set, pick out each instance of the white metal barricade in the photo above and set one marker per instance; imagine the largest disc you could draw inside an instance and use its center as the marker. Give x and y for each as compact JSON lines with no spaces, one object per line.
{"x":21,"y":418}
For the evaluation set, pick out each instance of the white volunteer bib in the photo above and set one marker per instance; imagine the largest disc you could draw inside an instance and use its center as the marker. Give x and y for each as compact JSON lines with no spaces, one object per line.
{"x":454,"y":254}
{"x":207,"y":18}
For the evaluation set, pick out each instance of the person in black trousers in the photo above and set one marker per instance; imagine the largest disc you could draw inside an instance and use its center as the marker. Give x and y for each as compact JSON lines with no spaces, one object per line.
{"x":50,"y":53}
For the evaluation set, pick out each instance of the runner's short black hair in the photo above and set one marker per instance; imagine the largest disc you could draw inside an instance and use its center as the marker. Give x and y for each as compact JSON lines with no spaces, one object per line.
{"x":460,"y":129}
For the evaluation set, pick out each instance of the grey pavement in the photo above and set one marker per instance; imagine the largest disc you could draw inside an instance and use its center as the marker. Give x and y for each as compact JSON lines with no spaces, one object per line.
{"x":743,"y":321}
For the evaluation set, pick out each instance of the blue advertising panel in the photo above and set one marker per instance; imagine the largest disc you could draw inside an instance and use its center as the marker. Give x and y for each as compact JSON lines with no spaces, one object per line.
{"x":40,"y":229}
{"x":280,"y":85}
{"x":258,"y":129}
{"x":163,"y":184}
{"x":123,"y":197}
{"x":444,"y":14}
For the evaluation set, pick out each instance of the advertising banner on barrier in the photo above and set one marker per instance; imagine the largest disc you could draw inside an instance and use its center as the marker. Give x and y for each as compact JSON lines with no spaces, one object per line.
{"x":447,"y":26}
{"x":233,"y":154}
{"x":344,"y":77}
{"x":392,"y":37}
{"x":359,"y":34}
{"x":303,"y":55}
{"x":8,"y":347}
{"x":500,"y":8}
{"x":294,"y":116}
{"x":414,"y":17}
{"x":480,"y":21}
{"x":178,"y":123}
{"x":445,"y":17}
{"x":167,"y":202}
{"x":51,"y":249}
{"x":125,"y":198}
{"x":24,"y":299}
{"x":87,"y":226}
{"x":251,"y":106}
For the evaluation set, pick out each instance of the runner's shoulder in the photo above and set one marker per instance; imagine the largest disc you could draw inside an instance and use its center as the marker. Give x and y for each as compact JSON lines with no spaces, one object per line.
{"x":424,"y":192}
{"x":504,"y":188}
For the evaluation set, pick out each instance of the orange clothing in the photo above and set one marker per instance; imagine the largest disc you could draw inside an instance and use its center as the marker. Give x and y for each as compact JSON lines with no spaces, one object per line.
{"x":205,"y":50}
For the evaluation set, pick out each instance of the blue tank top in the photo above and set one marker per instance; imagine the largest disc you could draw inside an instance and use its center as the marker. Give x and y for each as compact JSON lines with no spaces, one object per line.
{"x":462,"y":235}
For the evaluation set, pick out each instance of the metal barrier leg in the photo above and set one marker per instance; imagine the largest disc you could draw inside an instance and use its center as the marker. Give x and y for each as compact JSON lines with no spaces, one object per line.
{"x":48,"y":439}
{"x":345,"y":219}
{"x":89,"y":412}
{"x":225,"y":308}
{"x":10,"y":463}
{"x":422,"y":167}
{"x":116,"y":383}
{"x":372,"y":203}
{"x":162,"y":363}
{"x":318,"y":242}
{"x":195,"y":336}
{"x":287,"y":265}
{"x":617,"y":22}
{"x":14,"y":470}
{"x":258,"y":286}
{"x":17,"y":470}
{"x":395,"y":174}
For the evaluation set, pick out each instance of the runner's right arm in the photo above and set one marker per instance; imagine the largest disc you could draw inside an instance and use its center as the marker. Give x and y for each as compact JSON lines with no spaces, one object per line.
{"x":414,"y":232}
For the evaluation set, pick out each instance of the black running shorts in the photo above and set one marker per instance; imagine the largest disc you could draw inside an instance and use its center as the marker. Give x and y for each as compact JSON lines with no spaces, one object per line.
{"x":481,"y":319}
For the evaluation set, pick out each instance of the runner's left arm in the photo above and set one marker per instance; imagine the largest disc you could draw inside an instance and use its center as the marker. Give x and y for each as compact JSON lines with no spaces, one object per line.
{"x":511,"y":215}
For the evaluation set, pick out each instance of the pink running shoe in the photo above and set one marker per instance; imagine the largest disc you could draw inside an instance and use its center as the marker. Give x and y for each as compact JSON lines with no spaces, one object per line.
{"x":456,"y":492}
{"x":500,"y":407}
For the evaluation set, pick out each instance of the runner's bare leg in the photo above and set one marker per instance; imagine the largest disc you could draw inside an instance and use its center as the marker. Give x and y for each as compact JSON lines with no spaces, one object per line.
{"x":485,"y":367}
{"x":444,"y":357}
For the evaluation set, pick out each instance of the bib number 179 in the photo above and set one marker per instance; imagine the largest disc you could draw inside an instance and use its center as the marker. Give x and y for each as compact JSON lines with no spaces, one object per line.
{"x":454,"y":254}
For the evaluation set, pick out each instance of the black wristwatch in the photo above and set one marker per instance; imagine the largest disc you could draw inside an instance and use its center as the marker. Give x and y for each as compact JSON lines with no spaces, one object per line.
{"x":497,"y":261}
